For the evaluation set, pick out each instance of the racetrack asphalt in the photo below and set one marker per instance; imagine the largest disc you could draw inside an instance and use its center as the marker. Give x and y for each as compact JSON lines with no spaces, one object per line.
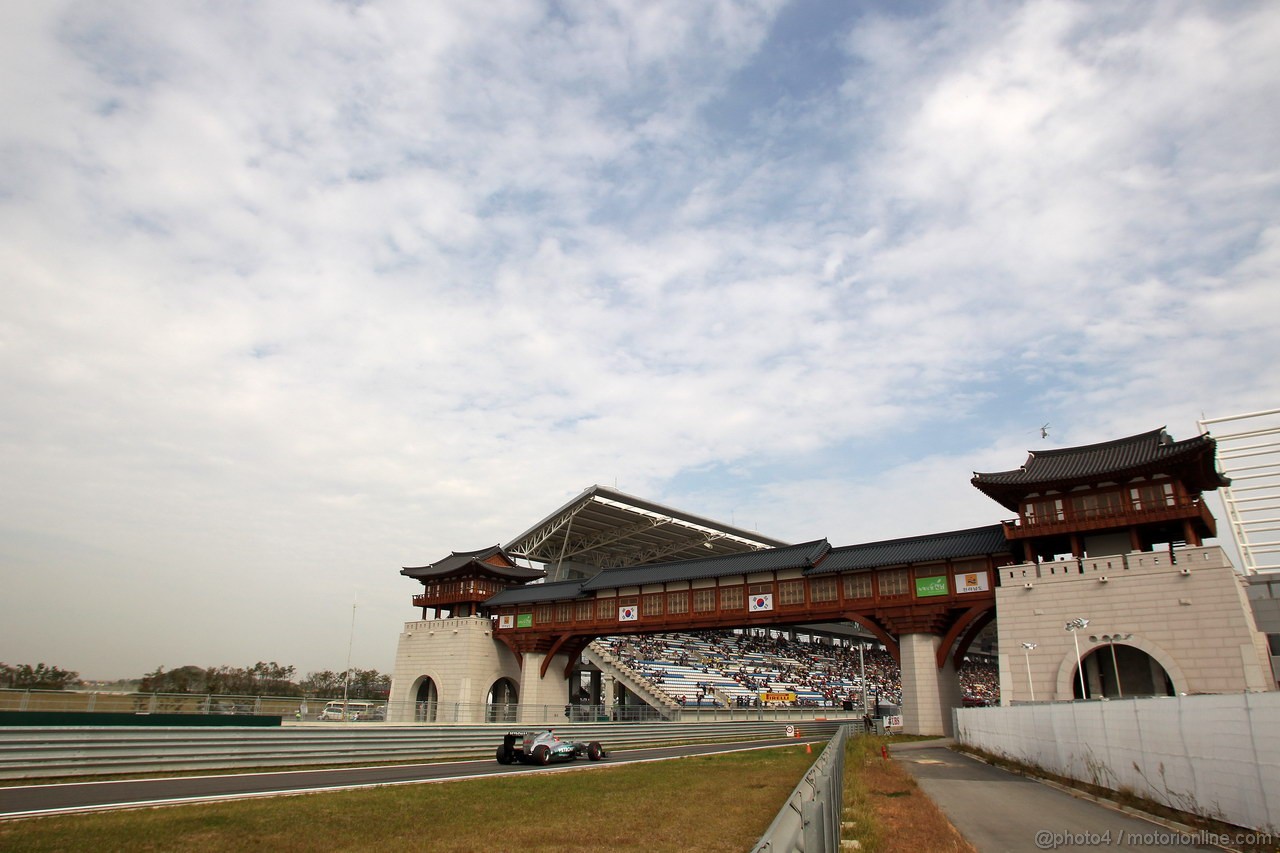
{"x":996,"y":810}
{"x":67,"y":798}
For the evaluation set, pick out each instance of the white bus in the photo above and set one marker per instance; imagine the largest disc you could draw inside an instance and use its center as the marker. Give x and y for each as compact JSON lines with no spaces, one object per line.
{"x":352,"y":711}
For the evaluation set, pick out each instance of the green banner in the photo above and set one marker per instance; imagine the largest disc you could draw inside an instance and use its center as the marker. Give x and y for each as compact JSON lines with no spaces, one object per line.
{"x":524,"y":620}
{"x":926,"y":587}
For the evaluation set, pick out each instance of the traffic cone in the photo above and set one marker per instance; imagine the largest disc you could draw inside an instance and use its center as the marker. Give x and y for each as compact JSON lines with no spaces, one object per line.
{"x":808,"y":748}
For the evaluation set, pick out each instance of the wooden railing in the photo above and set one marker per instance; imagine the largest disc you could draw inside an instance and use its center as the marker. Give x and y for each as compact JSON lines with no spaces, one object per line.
{"x":1070,"y":519}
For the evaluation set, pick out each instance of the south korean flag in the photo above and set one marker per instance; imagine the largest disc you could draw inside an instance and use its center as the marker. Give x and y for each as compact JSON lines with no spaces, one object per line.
{"x":760,"y":602}
{"x":627,"y":614}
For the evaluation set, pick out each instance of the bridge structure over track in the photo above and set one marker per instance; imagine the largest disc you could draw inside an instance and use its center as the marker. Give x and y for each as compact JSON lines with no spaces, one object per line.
{"x":925,"y":598}
{"x":620,"y":565}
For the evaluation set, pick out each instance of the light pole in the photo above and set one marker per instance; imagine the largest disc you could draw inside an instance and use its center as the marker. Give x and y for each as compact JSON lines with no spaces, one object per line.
{"x":1074,"y":626}
{"x":1111,"y":640}
{"x":1026,"y":652}
{"x":346,"y":676}
{"x":862,"y":665}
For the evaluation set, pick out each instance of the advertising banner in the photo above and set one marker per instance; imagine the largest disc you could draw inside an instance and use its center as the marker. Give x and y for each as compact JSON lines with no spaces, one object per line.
{"x":972,"y":582}
{"x":926,"y":587}
{"x":524,"y":620}
{"x":777,"y":697}
{"x":506,"y":621}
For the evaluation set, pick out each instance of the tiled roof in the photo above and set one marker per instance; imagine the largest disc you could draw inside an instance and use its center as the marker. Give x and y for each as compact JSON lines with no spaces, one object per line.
{"x":957,"y":544}
{"x":1143,"y":453}
{"x":461,"y":559}
{"x":799,"y":556}
{"x":536,"y":592}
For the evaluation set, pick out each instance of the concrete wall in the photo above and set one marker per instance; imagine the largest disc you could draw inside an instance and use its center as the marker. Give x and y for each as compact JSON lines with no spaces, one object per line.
{"x":1211,"y":755}
{"x":1191,"y":616}
{"x":459,"y":655}
{"x":1264,"y":596}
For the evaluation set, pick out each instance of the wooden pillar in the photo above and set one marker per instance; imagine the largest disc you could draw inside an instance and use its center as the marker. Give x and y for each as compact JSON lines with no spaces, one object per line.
{"x":1189,"y":533}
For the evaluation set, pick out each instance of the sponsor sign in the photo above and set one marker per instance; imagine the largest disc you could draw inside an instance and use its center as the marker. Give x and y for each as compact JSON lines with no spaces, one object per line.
{"x":506,"y":621}
{"x":628,"y":614}
{"x":894,"y":722}
{"x":524,"y":620}
{"x":763,"y":601}
{"x":778,"y":697}
{"x":972,"y":582}
{"x":926,"y":587}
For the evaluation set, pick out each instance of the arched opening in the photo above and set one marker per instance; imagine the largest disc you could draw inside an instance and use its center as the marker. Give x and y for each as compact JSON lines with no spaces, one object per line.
{"x":1119,"y":671}
{"x":426,"y":701}
{"x":501,"y":701}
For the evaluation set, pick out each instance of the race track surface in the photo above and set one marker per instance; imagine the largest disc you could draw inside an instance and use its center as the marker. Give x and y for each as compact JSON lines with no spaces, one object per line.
{"x":39,"y":800}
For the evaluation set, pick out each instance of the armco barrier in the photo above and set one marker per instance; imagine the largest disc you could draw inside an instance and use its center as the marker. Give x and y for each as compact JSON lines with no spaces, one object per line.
{"x":28,"y":753}
{"x":809,"y":821}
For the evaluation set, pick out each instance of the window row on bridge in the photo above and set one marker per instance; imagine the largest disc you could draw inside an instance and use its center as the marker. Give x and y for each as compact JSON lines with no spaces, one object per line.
{"x":887,"y":586}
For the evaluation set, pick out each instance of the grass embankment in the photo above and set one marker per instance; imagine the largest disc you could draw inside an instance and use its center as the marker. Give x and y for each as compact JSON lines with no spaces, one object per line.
{"x":707,"y":803}
{"x":884,"y":809}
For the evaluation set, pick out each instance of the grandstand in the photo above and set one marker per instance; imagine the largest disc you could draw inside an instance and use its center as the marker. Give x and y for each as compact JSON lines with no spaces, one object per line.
{"x":723,"y":669}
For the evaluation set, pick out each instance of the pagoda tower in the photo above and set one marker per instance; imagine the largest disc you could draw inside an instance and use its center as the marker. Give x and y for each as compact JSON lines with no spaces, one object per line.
{"x":461,"y":581}
{"x":449,"y":655}
{"x":1129,"y":494}
{"x":1119,"y":596}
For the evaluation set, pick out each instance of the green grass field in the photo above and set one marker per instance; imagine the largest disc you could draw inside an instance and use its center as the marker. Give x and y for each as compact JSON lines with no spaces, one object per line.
{"x":705,"y":803}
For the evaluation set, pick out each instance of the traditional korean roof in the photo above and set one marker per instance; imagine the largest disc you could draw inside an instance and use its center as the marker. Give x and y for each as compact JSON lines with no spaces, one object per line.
{"x":802,"y":556}
{"x":460,"y":560}
{"x":536,"y":592}
{"x":1154,"y":452}
{"x":954,"y":545}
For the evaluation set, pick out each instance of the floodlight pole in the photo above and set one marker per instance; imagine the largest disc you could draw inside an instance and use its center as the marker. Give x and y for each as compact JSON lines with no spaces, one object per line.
{"x":1115,"y":664}
{"x":862,"y":665}
{"x":1026,"y":652}
{"x":1074,"y":627}
{"x":346,"y":676}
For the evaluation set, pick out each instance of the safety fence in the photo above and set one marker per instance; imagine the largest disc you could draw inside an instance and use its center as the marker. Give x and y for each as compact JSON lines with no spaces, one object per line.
{"x":809,"y":822}
{"x":84,"y":751}
{"x":1212,"y":755}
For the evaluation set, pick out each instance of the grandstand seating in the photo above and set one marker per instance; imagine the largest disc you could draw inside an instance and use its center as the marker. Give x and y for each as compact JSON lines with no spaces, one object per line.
{"x":731,"y":669}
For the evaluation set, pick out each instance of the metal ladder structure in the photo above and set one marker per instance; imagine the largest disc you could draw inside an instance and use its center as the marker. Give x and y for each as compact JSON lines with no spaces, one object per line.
{"x":1249,"y":453}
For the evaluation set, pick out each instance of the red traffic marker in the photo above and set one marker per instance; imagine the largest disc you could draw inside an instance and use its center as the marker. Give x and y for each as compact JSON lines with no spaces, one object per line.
{"x":884,"y":752}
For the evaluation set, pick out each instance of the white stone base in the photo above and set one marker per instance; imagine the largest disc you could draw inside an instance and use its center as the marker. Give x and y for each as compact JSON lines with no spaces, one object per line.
{"x":459,"y":655}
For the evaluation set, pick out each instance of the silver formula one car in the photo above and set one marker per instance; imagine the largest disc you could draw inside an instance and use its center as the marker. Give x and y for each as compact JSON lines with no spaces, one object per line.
{"x":543,"y":747}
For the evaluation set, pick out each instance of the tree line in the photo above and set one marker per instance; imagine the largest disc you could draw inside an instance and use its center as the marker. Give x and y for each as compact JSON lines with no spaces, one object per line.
{"x":262,"y":679}
{"x":266,"y":679}
{"x":39,"y":677}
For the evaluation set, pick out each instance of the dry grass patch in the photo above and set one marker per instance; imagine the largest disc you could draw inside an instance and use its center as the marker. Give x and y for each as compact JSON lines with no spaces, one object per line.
{"x":885,"y":810}
{"x":709,"y":803}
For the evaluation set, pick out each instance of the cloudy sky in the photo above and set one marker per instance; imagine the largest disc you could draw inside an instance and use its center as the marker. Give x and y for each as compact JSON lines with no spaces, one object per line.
{"x":293,"y":294}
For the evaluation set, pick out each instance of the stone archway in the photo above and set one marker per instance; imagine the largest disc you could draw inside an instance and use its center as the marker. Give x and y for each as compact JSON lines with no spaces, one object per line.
{"x":501,"y":702}
{"x":1144,"y":669}
{"x":426,"y":700}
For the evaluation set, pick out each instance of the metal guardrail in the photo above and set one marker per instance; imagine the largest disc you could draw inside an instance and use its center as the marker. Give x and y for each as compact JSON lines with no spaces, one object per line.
{"x":30,"y":753}
{"x":809,"y":822}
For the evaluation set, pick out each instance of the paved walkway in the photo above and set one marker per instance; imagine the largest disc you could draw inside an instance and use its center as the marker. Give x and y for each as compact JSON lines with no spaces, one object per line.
{"x":999,"y":811}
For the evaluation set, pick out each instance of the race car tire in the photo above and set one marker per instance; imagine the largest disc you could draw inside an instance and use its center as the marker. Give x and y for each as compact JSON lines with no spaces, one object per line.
{"x":542,"y":754}
{"x":504,"y":757}
{"x":595,"y":751}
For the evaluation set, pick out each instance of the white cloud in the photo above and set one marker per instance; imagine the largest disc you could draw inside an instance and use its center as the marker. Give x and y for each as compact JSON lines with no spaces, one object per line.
{"x":301,"y":294}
